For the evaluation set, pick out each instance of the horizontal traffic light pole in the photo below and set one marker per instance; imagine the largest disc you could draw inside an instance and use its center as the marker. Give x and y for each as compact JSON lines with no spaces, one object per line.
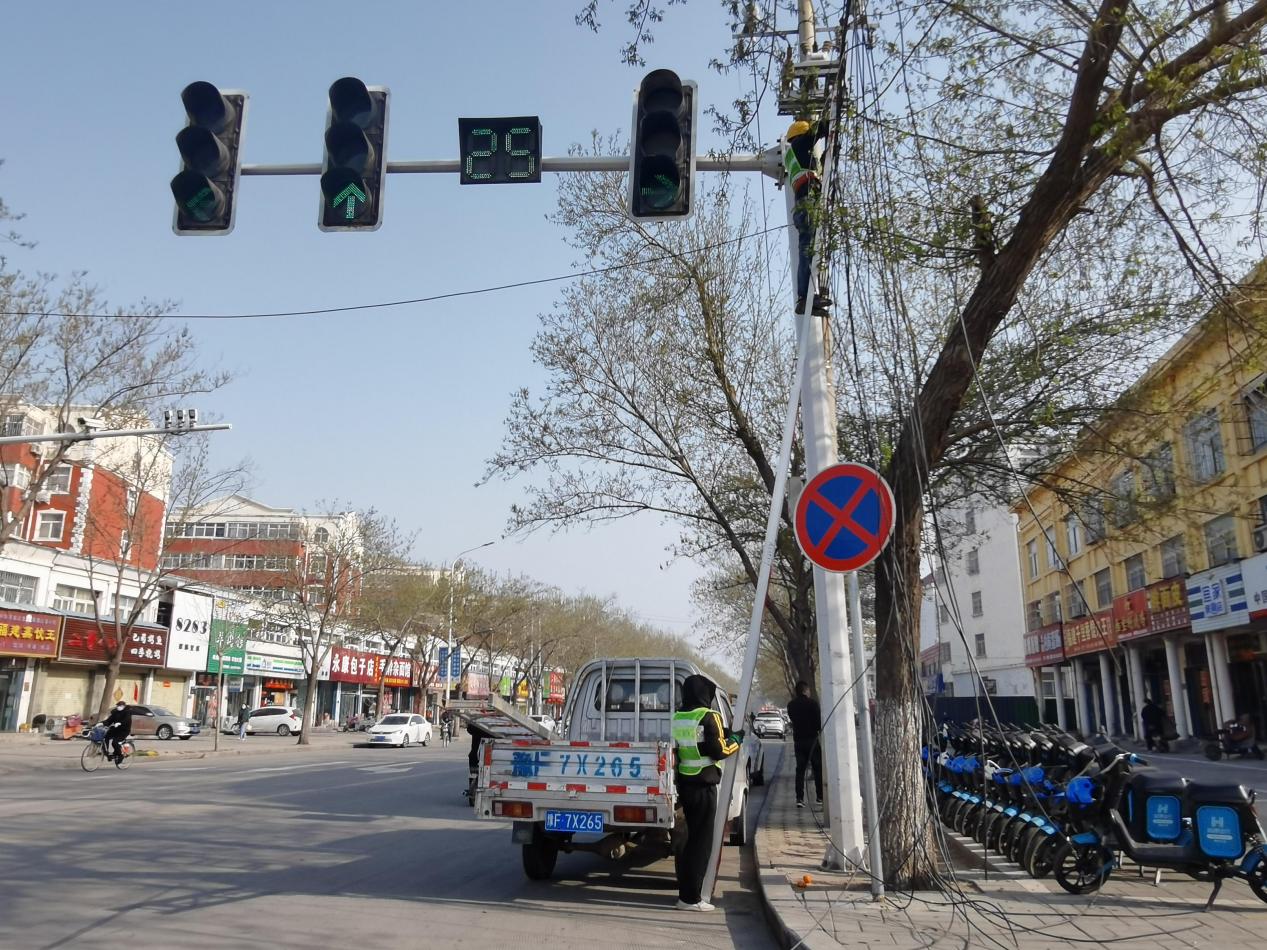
{"x":89,"y":435}
{"x":770,"y":162}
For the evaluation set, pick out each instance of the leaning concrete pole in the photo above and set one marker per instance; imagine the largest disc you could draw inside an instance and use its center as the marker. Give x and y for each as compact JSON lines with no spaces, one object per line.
{"x":841,"y":795}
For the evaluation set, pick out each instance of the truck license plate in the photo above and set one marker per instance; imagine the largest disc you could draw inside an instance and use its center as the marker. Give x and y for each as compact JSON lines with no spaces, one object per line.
{"x":574,"y":820}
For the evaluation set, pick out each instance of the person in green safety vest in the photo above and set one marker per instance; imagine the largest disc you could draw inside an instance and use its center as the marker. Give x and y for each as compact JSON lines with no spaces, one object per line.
{"x":700,"y":742}
{"x":800,"y":162}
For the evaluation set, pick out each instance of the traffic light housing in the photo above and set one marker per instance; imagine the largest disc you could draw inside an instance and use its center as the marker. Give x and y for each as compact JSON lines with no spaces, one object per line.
{"x":210,"y":144}
{"x":355,"y":166}
{"x":662,"y":157}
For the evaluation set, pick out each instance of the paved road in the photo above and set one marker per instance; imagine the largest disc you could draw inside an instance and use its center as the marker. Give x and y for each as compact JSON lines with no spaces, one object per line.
{"x":324,"y":847}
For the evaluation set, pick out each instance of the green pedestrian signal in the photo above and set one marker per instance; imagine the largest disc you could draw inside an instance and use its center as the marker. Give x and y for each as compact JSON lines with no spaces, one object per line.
{"x":662,"y":156}
{"x":355,"y":167}
{"x":210,"y":148}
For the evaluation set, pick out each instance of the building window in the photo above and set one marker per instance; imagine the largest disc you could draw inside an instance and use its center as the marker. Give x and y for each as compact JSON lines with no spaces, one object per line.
{"x":980,"y":639}
{"x":1053,"y":611}
{"x":133,"y":495}
{"x":123,"y":605}
{"x":1124,"y":499}
{"x":1256,"y":410}
{"x":17,"y":476}
{"x":1093,"y":518}
{"x":1159,"y":470}
{"x":75,"y":600}
{"x":322,"y":536}
{"x":1075,"y":600}
{"x":1204,"y":443}
{"x":1104,"y":588}
{"x":943,"y":653}
{"x":943,"y":614}
{"x":970,"y":521}
{"x":1220,"y":540}
{"x":18,"y":424}
{"x":1033,"y":615}
{"x":974,"y":561}
{"x":317,"y":564}
{"x":1136,"y":576}
{"x":125,"y":545}
{"x":1073,"y":534}
{"x":16,"y":588}
{"x":58,"y":480}
{"x":976,"y":603}
{"x":50,"y":526}
{"x":1053,"y":559}
{"x":1031,"y":551}
{"x":1174,"y":557}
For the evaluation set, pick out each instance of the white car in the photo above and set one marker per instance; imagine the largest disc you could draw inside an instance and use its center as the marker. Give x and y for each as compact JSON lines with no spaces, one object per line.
{"x":281,"y":720}
{"x":400,"y":729}
{"x":544,"y":721}
{"x":767,"y":724}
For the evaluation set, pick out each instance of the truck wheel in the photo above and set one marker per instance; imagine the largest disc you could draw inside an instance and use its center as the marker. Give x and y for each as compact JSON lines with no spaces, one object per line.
{"x":539,"y":858}
{"x":739,"y":825}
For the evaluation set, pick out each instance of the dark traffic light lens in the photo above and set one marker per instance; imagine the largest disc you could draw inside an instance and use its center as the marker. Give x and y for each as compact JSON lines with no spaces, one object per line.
{"x":201,"y":150}
{"x":659,"y":182}
{"x":206,"y":107}
{"x":348,"y":147}
{"x":350,"y":101}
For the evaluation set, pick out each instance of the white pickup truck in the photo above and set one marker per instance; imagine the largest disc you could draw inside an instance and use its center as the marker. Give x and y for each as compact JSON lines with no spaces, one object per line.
{"x":606,"y":784}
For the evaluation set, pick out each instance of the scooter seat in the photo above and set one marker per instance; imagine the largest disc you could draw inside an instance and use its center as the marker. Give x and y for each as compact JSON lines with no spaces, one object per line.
{"x":1148,"y":781}
{"x":1201,"y":793}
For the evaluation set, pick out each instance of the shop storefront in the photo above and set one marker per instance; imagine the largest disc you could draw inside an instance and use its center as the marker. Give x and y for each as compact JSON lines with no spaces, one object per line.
{"x":1152,"y":626}
{"x":1218,"y":608}
{"x":1247,"y":650}
{"x":28,"y":640}
{"x":357,"y":676}
{"x":73,"y":685}
{"x":187,"y":652}
{"x":1088,"y":644}
{"x":275,"y":678}
{"x":1044,"y":653}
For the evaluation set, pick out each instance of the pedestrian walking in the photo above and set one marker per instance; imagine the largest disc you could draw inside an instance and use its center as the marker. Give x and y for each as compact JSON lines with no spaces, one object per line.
{"x":807,"y":726}
{"x":1154,"y":720}
{"x":700,"y":742}
{"x":243,"y":716}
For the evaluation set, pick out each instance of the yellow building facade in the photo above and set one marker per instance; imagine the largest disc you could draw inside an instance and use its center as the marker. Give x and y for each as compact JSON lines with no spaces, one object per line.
{"x":1142,"y":552}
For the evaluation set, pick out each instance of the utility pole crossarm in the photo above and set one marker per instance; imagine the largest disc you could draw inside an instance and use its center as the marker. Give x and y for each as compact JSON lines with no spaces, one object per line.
{"x":108,"y":434}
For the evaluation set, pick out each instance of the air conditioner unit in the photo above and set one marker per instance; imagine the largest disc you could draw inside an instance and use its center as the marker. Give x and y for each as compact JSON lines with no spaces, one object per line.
{"x":43,"y":497}
{"x":1260,"y":537}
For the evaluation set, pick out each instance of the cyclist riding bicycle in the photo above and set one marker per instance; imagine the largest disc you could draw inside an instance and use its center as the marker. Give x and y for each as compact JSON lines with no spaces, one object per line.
{"x":118,"y":726}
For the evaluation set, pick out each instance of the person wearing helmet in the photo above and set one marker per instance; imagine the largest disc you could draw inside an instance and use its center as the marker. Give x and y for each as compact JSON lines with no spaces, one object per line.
{"x":800,"y":161}
{"x":700,"y":742}
{"x":118,"y":726}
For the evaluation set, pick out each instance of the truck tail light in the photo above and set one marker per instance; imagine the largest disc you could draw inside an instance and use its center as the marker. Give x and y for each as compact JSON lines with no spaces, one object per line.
{"x":633,"y":814}
{"x":513,"y":809}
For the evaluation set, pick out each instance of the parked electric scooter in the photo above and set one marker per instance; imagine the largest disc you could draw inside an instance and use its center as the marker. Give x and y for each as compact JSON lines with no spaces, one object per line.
{"x":1209,"y":832}
{"x":1235,"y":738}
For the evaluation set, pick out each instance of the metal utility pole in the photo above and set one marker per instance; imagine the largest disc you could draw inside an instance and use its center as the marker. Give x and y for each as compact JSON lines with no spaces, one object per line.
{"x":818,"y":422}
{"x":448,"y":657}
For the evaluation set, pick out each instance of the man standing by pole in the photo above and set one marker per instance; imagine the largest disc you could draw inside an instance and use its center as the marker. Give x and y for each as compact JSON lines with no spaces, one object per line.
{"x":807,"y":725}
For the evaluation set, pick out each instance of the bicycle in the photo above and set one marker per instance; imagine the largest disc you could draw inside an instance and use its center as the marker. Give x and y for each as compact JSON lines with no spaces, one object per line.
{"x":98,"y":750}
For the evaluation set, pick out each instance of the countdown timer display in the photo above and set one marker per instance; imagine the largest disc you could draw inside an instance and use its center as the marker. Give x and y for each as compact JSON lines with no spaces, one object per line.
{"x":500,"y":151}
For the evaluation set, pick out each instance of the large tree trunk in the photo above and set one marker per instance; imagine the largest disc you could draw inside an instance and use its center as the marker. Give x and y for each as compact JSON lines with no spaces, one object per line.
{"x":906,"y":838}
{"x":112,"y":677}
{"x":310,"y":707}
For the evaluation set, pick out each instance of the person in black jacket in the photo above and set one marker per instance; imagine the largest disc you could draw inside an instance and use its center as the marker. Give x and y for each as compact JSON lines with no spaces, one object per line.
{"x":807,"y":724}
{"x":700,"y":742}
{"x":118,"y":726}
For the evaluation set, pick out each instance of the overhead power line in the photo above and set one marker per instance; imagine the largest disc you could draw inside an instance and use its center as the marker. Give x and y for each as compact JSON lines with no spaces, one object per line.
{"x":386,"y":304}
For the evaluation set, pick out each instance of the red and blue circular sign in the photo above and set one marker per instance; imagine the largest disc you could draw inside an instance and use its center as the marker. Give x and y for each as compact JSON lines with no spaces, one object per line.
{"x":844,"y":517}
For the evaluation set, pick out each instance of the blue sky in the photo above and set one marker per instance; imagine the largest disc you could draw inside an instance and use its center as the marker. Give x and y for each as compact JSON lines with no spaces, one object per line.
{"x":398,"y":409}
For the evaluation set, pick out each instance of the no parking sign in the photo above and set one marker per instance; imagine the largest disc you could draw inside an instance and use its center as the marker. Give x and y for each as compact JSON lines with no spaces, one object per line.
{"x":844,"y":517}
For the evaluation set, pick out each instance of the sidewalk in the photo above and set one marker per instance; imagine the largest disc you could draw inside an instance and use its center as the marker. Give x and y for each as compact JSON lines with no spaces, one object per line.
{"x":996,"y":907}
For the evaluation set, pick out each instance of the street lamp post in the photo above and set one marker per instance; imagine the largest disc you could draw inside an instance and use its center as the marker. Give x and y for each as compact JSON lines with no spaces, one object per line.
{"x":448,"y":656}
